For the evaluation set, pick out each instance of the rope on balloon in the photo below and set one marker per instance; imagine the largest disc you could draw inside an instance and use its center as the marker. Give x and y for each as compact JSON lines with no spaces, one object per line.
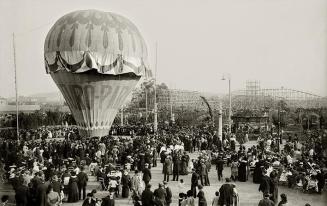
{"x":61,"y":63}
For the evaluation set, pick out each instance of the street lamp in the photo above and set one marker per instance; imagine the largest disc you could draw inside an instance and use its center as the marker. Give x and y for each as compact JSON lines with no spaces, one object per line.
{"x":230,"y":103}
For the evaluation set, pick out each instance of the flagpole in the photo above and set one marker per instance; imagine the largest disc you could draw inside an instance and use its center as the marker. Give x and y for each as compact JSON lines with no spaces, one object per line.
{"x":171,"y":90}
{"x":16,"y":89}
{"x":146,"y":105}
{"x":155,"y":125}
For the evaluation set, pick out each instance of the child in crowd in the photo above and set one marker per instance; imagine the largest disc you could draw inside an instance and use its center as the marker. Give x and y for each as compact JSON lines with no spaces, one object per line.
{"x":4,"y":200}
{"x":216,"y":199}
{"x":181,"y":186}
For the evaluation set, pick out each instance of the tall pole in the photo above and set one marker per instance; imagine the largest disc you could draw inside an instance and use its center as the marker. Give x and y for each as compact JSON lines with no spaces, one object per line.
{"x":122,"y":117}
{"x":278,"y":128}
{"x":308,"y":124}
{"x":220,"y":122}
{"x":171,"y":106}
{"x":155,"y":125}
{"x":146,"y":105}
{"x":16,"y":89}
{"x":230,"y":108}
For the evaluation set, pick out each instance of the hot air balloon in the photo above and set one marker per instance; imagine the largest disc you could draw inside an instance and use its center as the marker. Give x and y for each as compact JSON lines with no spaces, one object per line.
{"x":96,"y":59}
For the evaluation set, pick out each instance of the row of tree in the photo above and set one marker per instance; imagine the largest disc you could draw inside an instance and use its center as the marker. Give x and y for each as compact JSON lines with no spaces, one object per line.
{"x":37,"y":119}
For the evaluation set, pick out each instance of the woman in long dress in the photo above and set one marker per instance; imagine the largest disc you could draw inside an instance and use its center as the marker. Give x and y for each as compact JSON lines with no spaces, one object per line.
{"x":257,"y":174}
{"x":73,"y":189}
{"x":234,"y":170}
{"x":136,"y":184}
{"x":184,"y":165}
{"x":126,"y":184}
{"x":242,"y":170}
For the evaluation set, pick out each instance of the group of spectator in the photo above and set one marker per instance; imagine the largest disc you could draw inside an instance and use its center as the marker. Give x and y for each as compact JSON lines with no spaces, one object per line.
{"x":50,"y":165}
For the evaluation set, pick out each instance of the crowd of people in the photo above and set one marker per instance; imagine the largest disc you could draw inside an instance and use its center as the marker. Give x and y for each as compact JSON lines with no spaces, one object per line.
{"x":298,"y":165}
{"x":49,"y":166}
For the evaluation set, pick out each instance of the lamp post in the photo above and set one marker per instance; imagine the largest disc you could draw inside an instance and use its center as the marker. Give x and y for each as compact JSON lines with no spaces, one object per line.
{"x":278,"y":139}
{"x":146,"y":105}
{"x":280,"y":131}
{"x":220,"y":123}
{"x":155,"y":123}
{"x":230,"y":103}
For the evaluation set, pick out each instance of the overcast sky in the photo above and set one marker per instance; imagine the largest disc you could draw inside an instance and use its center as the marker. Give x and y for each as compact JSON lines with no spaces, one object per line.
{"x":279,"y":42}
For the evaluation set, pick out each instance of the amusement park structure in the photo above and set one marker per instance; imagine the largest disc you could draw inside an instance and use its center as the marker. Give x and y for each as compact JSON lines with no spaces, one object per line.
{"x":253,"y":97}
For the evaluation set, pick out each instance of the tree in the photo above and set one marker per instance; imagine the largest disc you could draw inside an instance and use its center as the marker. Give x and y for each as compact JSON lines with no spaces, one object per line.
{"x":147,"y":89}
{"x":281,"y":119}
{"x":282,"y":105}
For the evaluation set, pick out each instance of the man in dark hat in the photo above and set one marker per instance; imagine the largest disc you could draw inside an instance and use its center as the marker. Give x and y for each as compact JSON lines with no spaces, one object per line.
{"x":89,"y":201}
{"x":146,"y":174}
{"x":226,"y":194}
{"x":266,"y":201}
{"x":41,"y":192}
{"x":35,"y":181}
{"x":160,"y":195}
{"x":168,"y":193}
{"x":202,"y":199}
{"x":167,"y":168}
{"x":203,"y":172}
{"x":265,"y":183}
{"x":176,"y":167}
{"x":82,"y":179}
{"x":22,"y":194}
{"x":220,"y":167}
{"x":88,"y":160}
{"x":154,"y":157}
{"x":147,"y":196}
{"x":194,"y":182}
{"x":126,"y":184}
{"x":56,"y":184}
{"x":109,"y":200}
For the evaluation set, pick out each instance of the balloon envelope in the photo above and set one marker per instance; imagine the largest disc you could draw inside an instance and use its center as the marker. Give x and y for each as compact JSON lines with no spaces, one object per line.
{"x":94,"y":99}
{"x":96,"y":59}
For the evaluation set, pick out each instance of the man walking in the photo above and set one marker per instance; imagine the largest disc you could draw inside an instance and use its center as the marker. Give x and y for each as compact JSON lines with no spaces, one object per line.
{"x":220,"y":167}
{"x":146,"y":174}
{"x":194,"y":182}
{"x":154,"y":157}
{"x":203,"y":173}
{"x":147,"y":196}
{"x":176,"y":167}
{"x":22,"y":194}
{"x":265,"y":184}
{"x":168,"y":194}
{"x":81,"y":183}
{"x":160,"y":195}
{"x":226,"y":194}
{"x":167,"y":168}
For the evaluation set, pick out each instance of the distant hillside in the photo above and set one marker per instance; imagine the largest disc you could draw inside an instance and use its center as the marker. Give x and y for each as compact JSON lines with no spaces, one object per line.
{"x":49,"y":97}
{"x":46,"y":94}
{"x":46,"y":97}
